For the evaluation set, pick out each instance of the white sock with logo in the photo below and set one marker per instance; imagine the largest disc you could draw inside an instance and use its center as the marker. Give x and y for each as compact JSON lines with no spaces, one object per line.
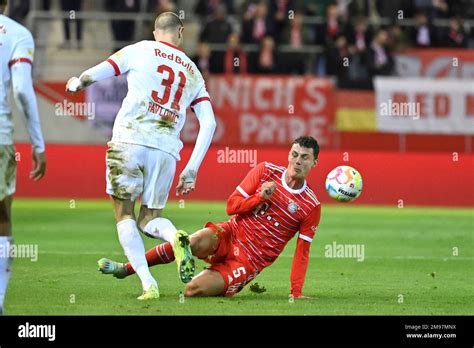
{"x":5,"y":266}
{"x":161,"y":228}
{"x":134,"y":249}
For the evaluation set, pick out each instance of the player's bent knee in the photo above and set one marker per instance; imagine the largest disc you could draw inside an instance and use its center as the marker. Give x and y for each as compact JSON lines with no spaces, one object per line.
{"x":202,"y":243}
{"x":207,"y":283}
{"x":196,"y":245}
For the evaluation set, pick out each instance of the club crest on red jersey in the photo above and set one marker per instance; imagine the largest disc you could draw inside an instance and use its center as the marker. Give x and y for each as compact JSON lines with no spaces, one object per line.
{"x":292,"y":207}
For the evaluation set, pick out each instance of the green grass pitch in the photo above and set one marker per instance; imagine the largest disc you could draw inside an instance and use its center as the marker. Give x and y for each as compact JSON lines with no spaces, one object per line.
{"x":417,"y":261}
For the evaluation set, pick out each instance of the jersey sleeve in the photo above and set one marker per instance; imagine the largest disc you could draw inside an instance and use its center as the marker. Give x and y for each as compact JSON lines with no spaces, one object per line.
{"x":207,"y":127}
{"x":24,"y":50}
{"x":246,"y":196}
{"x":22,"y":85}
{"x":201,"y":96}
{"x":122,"y":60}
{"x":249,"y":185}
{"x":309,"y":225}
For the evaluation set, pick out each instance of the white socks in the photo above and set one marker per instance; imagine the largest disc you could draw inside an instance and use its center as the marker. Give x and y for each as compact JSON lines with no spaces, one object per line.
{"x":134,"y":249}
{"x":161,"y":228}
{"x":5,"y":264}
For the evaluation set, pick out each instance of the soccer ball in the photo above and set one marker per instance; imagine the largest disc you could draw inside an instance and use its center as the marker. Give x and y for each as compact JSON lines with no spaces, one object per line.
{"x":344,"y":184}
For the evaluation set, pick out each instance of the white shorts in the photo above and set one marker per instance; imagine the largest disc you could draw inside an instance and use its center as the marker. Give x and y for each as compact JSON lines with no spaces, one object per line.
{"x":135,"y":169}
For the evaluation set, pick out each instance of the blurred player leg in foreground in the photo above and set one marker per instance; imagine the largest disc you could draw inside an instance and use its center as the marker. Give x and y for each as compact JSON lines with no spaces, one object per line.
{"x":5,"y":242}
{"x":17,"y":50}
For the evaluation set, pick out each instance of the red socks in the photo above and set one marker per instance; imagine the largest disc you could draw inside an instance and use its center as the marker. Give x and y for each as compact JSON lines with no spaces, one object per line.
{"x":161,"y":254}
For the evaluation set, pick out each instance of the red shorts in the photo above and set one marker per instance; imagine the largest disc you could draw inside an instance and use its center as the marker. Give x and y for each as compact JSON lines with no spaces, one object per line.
{"x":229,"y":261}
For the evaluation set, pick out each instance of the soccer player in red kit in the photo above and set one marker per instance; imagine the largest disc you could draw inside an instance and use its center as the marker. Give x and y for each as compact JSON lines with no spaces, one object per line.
{"x":270,"y":206}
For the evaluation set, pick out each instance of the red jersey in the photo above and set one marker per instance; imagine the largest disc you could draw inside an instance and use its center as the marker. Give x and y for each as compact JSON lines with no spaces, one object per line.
{"x":262,"y":227}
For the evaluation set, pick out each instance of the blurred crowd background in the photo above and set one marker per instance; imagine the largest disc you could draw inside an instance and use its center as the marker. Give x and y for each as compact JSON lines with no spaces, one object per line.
{"x":351,"y":40}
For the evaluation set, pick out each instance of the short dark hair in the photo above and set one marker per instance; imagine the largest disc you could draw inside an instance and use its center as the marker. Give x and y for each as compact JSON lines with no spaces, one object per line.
{"x":308,"y":142}
{"x":168,"y":21}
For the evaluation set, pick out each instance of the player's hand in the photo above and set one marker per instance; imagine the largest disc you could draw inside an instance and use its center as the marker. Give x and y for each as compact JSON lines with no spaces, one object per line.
{"x":186,"y":183}
{"x":75,"y":84}
{"x":39,"y":166}
{"x":267,"y":189}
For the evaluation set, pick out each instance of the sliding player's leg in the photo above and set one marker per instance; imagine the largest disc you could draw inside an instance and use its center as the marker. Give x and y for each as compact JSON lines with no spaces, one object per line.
{"x":206,"y":244}
{"x":223,"y":278}
{"x":229,"y":272}
{"x":203,"y":243}
{"x":206,"y":283}
{"x":158,"y":255}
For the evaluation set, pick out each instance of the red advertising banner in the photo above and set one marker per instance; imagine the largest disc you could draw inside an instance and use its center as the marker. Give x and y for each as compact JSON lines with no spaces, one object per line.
{"x":418,"y":178}
{"x":268,"y":110}
{"x":436,"y":63}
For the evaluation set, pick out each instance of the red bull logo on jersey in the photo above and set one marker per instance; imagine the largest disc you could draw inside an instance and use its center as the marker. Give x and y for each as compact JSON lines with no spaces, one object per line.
{"x":175,"y":58}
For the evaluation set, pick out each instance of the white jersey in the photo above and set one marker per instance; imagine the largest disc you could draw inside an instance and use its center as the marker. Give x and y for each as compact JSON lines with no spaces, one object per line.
{"x":162,"y":83}
{"x":17,"y":48}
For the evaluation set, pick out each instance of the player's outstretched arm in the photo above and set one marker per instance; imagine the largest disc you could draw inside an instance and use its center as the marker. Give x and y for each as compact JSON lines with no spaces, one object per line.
{"x":207,"y":126}
{"x":99,"y":72}
{"x":118,"y":63}
{"x":299,"y":267}
{"x":301,"y":258}
{"x":25,"y":98}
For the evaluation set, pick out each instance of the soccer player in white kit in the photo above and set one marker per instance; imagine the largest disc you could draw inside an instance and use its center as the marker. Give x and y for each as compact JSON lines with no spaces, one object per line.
{"x":16,"y":60}
{"x":145,"y":145}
